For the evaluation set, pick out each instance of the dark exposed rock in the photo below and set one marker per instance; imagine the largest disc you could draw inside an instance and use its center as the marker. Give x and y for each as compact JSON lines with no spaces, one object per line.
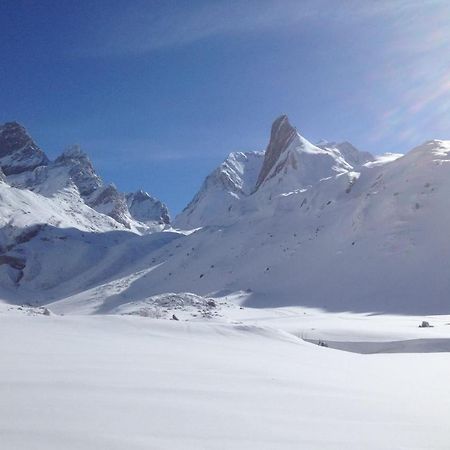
{"x":18,"y":152}
{"x":13,"y":261}
{"x":281,"y":136}
{"x":108,"y":200}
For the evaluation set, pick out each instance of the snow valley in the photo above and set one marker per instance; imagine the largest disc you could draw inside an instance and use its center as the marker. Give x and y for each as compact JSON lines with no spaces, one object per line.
{"x":123,"y":328}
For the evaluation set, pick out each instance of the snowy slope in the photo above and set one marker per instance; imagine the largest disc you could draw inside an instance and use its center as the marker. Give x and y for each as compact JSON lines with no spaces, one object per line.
{"x":207,"y":338}
{"x":218,"y":200}
{"x":367,"y":238}
{"x":43,"y":201}
{"x":349,"y":152}
{"x":374,"y":240}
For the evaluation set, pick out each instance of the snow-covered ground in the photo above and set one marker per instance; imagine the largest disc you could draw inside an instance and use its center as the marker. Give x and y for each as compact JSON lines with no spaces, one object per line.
{"x":210,"y":336}
{"x":246,"y":380}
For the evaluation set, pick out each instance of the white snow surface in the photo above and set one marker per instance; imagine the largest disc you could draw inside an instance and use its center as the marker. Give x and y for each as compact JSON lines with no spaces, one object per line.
{"x":206,"y":338}
{"x":251,"y":382}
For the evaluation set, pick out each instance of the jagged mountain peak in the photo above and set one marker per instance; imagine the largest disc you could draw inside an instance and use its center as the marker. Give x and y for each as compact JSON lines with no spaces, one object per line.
{"x":18,"y":151}
{"x":348,"y":151}
{"x":291,"y":161}
{"x":73,"y":152}
{"x":220,"y":194}
{"x":281,"y":136}
{"x":80,"y":169}
{"x":245,"y":180}
{"x":146,"y":208}
{"x":26,"y":166}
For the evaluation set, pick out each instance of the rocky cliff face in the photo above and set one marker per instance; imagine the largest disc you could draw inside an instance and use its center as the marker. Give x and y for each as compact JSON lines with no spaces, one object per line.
{"x":282,"y":135}
{"x":18,"y":152}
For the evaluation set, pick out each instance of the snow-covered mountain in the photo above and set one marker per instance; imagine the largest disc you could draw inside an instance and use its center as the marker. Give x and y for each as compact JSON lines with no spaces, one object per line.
{"x":26,"y":166}
{"x":219,"y":199}
{"x":244,"y":181}
{"x":18,"y":152}
{"x":147,"y":209}
{"x":299,"y":224}
{"x":39,"y":196}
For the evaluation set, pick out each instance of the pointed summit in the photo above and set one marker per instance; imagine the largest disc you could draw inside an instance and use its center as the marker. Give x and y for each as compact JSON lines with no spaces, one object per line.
{"x":292,"y":162}
{"x":18,"y":152}
{"x":281,"y":136}
{"x":147,"y":209}
{"x":80,"y":169}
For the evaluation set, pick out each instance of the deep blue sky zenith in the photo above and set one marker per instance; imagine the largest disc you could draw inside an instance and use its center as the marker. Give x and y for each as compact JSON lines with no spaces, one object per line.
{"x":159,"y":92}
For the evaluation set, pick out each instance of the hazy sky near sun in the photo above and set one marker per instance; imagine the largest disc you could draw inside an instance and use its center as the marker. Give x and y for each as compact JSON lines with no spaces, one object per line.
{"x":159,"y":92}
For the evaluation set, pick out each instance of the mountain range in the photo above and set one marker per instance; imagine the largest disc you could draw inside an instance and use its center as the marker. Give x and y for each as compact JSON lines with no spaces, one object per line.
{"x":317,"y":225}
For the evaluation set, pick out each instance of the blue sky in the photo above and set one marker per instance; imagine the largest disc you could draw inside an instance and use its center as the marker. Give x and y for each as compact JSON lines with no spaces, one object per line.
{"x":159,"y":92}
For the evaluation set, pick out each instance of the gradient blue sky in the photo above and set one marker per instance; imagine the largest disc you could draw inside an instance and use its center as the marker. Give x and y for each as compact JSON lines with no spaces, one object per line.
{"x":159,"y":92}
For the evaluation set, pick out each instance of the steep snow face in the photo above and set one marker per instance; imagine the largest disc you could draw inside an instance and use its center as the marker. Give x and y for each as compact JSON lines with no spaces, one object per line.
{"x":147,"y":209}
{"x":350,"y":153}
{"x":218,"y":201}
{"x":18,"y":152}
{"x":383,"y":159}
